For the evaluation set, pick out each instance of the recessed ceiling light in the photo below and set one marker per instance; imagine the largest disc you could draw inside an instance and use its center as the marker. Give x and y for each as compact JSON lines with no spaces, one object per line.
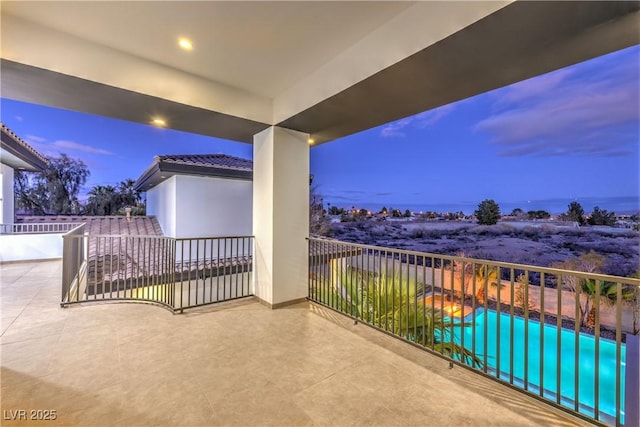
{"x":185,"y":44}
{"x":158,"y":121}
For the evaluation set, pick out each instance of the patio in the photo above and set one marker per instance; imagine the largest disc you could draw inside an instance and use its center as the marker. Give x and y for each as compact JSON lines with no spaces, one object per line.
{"x":236,"y":363}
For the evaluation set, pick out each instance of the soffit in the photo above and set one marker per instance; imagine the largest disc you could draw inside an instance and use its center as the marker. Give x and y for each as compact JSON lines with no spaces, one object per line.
{"x":260,"y":47}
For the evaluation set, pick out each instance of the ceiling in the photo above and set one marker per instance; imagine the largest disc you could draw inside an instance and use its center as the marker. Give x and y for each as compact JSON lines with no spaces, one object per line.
{"x":324,"y":68}
{"x":262,"y":47}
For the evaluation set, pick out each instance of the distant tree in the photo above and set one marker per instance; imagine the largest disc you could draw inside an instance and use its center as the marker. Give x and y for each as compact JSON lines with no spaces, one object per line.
{"x":517,"y":212}
{"x":396,"y":213}
{"x":110,"y":200}
{"x":407,"y":213}
{"x":334,"y":210}
{"x":53,"y":191}
{"x":362,"y":213}
{"x":575,"y":213}
{"x":103,"y":200}
{"x":538,"y":214}
{"x":383,"y":211}
{"x":602,"y":217}
{"x":488,"y":212}
{"x":128,"y":195}
{"x":319,"y":222}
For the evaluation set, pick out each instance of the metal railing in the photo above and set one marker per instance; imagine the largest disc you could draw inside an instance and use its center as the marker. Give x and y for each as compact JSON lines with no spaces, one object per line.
{"x":73,"y":262}
{"x":175,"y":273}
{"x":565,"y":337}
{"x":37,"y":228}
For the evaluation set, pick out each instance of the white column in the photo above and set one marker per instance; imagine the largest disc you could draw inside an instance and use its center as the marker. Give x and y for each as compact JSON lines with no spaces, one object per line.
{"x":280,"y":215}
{"x":6,"y":197}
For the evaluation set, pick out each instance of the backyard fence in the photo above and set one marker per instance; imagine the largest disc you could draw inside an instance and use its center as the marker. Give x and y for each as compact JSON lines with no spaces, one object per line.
{"x":176,"y":273}
{"x":568,"y":338}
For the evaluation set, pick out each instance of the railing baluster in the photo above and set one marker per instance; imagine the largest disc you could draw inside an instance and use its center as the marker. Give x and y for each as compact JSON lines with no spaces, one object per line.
{"x":559,"y":339}
{"x":542,"y":323}
{"x":512,"y":277}
{"x":618,"y":353}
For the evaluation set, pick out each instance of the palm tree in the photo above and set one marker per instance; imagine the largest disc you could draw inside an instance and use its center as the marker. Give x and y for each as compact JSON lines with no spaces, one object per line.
{"x":486,"y":275}
{"x":395,"y":305}
{"x":608,"y":296}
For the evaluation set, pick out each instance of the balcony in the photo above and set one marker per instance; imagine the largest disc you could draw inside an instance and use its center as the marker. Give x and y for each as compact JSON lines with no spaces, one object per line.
{"x":235,"y":363}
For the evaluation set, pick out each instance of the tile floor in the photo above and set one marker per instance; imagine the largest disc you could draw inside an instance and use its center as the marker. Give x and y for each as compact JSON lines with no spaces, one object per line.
{"x":233,"y":364}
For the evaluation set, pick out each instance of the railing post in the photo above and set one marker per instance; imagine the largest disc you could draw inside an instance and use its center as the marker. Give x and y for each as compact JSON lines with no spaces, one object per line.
{"x":632,"y":382}
{"x":66,"y":250}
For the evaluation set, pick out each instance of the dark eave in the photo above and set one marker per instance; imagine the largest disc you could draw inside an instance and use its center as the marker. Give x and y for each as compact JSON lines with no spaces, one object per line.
{"x":162,"y":170}
{"x":39,"y":86}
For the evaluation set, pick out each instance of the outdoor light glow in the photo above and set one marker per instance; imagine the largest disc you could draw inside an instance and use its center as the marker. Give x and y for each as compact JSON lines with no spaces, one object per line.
{"x":159,"y":122}
{"x":185,"y":44}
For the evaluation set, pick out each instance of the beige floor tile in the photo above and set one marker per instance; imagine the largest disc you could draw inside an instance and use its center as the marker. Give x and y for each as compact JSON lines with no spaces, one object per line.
{"x":236,"y":363}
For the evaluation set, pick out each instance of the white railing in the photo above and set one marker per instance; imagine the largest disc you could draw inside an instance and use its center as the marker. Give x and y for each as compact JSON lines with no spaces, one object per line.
{"x":37,"y":228}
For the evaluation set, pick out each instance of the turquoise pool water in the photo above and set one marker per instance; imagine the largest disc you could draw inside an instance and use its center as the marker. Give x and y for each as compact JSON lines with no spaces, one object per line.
{"x":585,"y":358}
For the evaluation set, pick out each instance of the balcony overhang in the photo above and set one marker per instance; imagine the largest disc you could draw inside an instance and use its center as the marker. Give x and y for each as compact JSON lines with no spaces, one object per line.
{"x":401,"y":59}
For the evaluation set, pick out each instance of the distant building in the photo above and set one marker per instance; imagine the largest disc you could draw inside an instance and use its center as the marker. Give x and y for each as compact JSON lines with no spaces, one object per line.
{"x":15,"y":154}
{"x":200,"y":195}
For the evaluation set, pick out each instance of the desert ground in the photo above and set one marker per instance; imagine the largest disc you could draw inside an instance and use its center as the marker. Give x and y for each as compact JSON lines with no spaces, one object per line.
{"x":531,"y":243}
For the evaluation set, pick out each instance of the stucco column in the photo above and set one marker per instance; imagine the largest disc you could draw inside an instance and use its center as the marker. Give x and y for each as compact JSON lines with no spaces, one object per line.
{"x":7,"y":197}
{"x":280,"y":215}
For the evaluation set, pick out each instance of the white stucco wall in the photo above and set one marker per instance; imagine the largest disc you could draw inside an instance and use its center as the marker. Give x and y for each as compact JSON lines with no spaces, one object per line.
{"x":161,"y":201}
{"x":21,"y":247}
{"x":211,"y":207}
{"x":196,"y":206}
{"x":7,"y":196}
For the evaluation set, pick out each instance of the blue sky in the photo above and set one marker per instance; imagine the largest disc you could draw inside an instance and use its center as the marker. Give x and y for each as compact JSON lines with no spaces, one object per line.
{"x":573,"y":133}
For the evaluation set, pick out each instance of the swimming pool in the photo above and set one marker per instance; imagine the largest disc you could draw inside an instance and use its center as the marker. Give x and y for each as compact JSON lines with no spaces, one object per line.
{"x":585,"y":358}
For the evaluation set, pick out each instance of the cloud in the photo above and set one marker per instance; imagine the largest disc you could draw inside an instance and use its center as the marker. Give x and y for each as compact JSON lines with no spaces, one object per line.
{"x":419,"y":121}
{"x":429,"y":118}
{"x":74,"y":146}
{"x":46,"y":148}
{"x":396,"y":128}
{"x":591,"y":109}
{"x":34,"y":138}
{"x":18,"y":118}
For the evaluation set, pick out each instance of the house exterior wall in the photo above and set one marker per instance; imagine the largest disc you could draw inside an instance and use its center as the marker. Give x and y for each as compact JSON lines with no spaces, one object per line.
{"x":7,"y":196}
{"x":22,"y":247}
{"x":212,"y":207}
{"x":196,"y":206}
{"x":161,"y":202}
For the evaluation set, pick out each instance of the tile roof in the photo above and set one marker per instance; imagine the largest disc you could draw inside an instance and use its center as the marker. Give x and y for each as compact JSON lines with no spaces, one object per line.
{"x":28,"y":152}
{"x":207,"y":165}
{"x":213,"y":160}
{"x":111,"y":225}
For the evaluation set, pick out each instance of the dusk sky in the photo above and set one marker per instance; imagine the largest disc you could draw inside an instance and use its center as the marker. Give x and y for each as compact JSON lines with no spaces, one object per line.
{"x":570,"y":134}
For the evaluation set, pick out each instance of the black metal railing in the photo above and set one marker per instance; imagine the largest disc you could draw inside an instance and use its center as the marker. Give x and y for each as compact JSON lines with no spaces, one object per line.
{"x":565,"y":337}
{"x":175,"y":273}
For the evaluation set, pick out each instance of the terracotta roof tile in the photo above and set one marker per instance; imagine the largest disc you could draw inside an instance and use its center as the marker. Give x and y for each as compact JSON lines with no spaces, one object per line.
{"x":111,"y":225}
